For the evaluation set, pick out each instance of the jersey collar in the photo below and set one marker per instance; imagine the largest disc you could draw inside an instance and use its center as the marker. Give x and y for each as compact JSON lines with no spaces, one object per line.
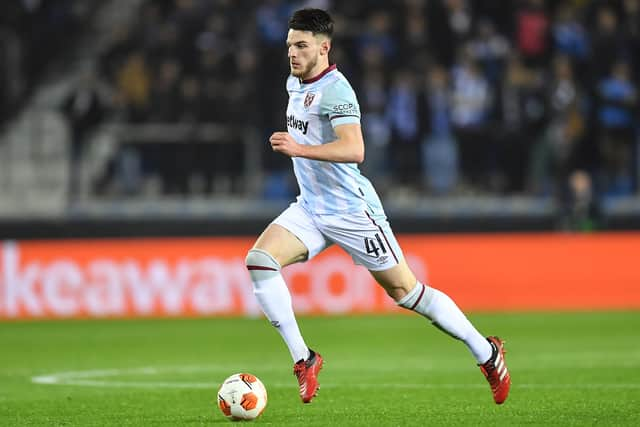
{"x":319,"y":76}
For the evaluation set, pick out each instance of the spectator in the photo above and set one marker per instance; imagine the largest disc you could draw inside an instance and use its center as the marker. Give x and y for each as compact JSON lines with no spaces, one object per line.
{"x":618,"y":101}
{"x":133,"y":86}
{"x":608,"y":42}
{"x":564,"y":91}
{"x":404,"y":123}
{"x":378,"y":35}
{"x":569,"y":35}
{"x":521,"y":113}
{"x":470,"y":109}
{"x":439,"y":148}
{"x":489,"y":49}
{"x":121,"y":44}
{"x":532,"y":32}
{"x":376,"y":129}
{"x":450,"y":26}
{"x":555,"y":155}
{"x":85,"y":108}
{"x":581,"y":212}
{"x":460,"y":19}
{"x":415,"y":34}
{"x":271,"y":20}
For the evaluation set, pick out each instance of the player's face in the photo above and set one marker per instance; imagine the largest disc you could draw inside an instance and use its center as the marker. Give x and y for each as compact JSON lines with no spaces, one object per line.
{"x":306,"y":51}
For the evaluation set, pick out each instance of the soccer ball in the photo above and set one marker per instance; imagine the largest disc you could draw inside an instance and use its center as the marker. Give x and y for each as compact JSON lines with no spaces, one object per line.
{"x":242,"y":397}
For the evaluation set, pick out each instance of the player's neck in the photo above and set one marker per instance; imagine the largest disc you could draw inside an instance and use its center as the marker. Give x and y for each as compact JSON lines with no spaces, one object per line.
{"x":318,"y":73}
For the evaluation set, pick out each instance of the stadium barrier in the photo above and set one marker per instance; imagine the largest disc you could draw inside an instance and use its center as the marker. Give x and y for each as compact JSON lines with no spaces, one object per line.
{"x":206,"y":276}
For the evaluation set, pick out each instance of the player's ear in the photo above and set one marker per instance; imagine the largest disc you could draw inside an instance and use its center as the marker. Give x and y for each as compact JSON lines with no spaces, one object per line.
{"x":325,"y":46}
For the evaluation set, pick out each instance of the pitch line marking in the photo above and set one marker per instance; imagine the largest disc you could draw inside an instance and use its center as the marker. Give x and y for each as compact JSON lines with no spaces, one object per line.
{"x":88,"y":376}
{"x":101,"y":378}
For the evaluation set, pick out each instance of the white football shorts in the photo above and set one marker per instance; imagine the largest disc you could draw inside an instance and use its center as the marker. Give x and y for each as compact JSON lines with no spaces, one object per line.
{"x":366,"y":237}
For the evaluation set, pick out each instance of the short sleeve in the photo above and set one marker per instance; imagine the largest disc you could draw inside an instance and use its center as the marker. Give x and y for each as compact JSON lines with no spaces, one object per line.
{"x":340,"y":104}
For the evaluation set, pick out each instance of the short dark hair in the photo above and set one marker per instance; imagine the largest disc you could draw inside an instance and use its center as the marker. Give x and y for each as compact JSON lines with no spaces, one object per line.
{"x":315,"y":20}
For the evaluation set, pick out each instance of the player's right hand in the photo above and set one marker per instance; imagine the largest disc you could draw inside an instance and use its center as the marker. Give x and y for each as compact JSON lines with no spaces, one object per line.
{"x":284,"y":143}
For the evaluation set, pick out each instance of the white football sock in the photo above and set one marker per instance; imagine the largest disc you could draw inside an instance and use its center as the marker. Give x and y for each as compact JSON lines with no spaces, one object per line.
{"x":445,"y":314}
{"x":274,"y":298}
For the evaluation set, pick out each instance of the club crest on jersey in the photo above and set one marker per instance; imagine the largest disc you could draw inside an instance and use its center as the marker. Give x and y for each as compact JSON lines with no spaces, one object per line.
{"x":308,"y":100}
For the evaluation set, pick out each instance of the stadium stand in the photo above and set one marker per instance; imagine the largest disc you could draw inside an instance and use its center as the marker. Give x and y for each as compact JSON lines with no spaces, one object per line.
{"x":501,"y":108}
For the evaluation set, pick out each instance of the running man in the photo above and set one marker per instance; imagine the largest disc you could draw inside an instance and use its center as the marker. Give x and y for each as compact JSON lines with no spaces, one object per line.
{"x":339,"y":205}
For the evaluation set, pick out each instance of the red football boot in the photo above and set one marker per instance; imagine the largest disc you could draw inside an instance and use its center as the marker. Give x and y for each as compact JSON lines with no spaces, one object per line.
{"x":496,"y":372}
{"x":307,"y":373}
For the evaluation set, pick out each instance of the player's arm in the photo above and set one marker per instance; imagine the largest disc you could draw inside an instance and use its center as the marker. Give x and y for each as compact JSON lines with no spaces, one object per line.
{"x":347,"y":148}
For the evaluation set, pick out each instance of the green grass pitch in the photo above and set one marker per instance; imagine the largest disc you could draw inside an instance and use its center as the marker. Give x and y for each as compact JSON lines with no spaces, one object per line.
{"x":568,"y":369}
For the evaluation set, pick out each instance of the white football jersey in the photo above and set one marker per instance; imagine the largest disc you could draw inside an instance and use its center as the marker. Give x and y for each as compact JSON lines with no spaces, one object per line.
{"x":315,"y":108}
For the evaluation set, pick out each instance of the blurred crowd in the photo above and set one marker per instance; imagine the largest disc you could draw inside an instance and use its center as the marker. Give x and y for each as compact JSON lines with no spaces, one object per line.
{"x":495,"y":97}
{"x":34,"y":33}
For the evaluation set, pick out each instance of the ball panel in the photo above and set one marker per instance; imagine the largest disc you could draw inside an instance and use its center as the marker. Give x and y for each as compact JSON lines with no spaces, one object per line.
{"x":224,"y":406}
{"x":248,"y":378}
{"x":249,"y":401}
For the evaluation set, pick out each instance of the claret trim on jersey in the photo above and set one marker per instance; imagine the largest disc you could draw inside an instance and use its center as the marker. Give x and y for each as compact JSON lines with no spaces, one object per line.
{"x":319,"y":76}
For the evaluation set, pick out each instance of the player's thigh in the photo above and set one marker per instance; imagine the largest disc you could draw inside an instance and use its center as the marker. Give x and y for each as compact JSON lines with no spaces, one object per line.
{"x":282,"y":244}
{"x":293,"y":236}
{"x":397,"y":281}
{"x":371,"y":243}
{"x":369,"y":240}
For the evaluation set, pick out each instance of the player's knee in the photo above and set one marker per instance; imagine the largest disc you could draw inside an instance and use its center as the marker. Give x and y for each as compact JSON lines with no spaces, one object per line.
{"x":397,"y":282}
{"x":397,"y":293}
{"x":261,"y":265}
{"x":395,"y":289}
{"x":404,"y":289}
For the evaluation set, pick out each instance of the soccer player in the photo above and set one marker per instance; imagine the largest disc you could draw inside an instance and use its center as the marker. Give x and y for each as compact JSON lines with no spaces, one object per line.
{"x":339,"y":205}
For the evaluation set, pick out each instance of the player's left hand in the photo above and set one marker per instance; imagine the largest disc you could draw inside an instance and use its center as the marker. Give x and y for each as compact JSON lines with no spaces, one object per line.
{"x":284,"y":143}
